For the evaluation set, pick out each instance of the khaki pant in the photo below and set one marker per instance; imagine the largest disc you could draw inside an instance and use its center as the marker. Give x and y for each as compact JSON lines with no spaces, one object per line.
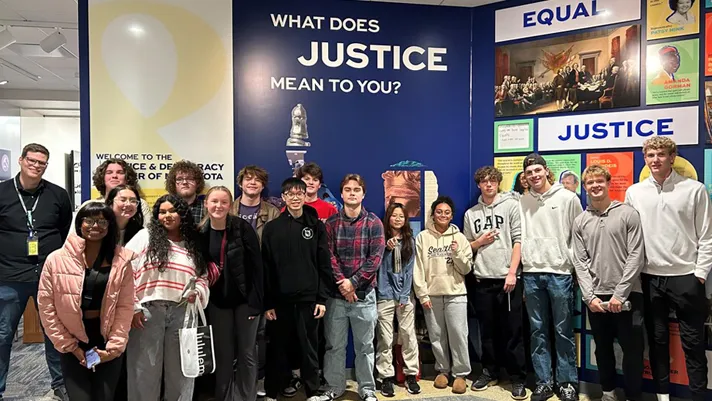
{"x":406,"y":335}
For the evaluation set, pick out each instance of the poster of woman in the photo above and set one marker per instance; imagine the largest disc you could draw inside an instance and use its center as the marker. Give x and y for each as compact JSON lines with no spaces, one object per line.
{"x":669,"y":18}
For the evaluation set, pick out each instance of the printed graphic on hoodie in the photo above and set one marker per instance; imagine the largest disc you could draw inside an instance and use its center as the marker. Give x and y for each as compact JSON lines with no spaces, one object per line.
{"x":444,"y":251}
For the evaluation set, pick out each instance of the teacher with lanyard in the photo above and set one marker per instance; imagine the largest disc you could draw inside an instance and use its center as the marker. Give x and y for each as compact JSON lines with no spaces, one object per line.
{"x":35,"y":217}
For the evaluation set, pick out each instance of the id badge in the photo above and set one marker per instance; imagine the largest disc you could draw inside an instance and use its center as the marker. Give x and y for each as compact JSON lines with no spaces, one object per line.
{"x":33,"y":245}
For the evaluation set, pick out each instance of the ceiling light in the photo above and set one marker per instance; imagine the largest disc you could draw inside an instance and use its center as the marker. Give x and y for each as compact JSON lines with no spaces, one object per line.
{"x":6,"y":38}
{"x":3,"y":80}
{"x":53,"y":41}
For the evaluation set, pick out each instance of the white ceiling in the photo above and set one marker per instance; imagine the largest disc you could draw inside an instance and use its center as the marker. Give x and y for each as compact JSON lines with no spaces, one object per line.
{"x":54,"y":90}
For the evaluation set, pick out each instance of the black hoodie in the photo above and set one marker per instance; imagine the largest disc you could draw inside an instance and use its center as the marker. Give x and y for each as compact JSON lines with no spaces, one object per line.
{"x":297,"y":261}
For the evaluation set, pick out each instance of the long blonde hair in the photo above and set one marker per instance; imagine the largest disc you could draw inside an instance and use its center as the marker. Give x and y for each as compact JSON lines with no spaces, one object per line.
{"x":207,"y":195}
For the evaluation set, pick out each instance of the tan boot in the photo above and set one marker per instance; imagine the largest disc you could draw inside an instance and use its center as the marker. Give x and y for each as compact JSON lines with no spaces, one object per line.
{"x":459,"y":386}
{"x":441,"y":381}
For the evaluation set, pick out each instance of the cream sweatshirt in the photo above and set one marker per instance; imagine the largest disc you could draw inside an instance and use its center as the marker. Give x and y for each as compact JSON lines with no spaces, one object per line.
{"x":438,"y":269}
{"x":675,"y":218}
{"x":547,"y":223}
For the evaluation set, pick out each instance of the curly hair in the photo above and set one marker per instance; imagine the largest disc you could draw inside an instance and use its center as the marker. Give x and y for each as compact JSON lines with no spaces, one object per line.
{"x":185,"y":166}
{"x":660,"y":143}
{"x":135,"y":223}
{"x":159,"y":247}
{"x":490,"y":172}
{"x":98,"y":178}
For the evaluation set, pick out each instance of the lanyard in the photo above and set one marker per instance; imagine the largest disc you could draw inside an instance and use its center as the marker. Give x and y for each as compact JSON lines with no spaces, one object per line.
{"x":28,"y":213}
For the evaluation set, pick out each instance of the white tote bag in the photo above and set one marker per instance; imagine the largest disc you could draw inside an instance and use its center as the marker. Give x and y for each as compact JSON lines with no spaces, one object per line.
{"x":197,"y":354}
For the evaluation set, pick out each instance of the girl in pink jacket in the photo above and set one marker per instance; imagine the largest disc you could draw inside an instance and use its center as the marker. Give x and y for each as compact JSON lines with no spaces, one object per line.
{"x":85,"y":299}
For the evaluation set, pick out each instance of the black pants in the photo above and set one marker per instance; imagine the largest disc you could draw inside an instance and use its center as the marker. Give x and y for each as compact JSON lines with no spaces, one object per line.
{"x":83,"y":384}
{"x":293,"y":321}
{"x":500,"y":317}
{"x":295,"y":352}
{"x":686,"y":296}
{"x":627,"y":327}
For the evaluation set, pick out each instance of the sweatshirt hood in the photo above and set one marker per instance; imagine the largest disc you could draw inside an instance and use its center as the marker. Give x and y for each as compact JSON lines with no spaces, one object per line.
{"x":500,"y":198}
{"x":309,"y":216}
{"x":451,"y":230}
{"x":548,"y":194}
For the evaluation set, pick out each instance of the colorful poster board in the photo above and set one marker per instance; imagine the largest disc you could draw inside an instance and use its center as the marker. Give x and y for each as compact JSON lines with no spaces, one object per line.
{"x":708,"y":170}
{"x":673,"y":72}
{"x":708,"y":44}
{"x":666,"y":22}
{"x":510,"y":168}
{"x":514,"y":136}
{"x":620,"y":165}
{"x":708,"y":112}
{"x":566,"y":170}
{"x":574,"y":73}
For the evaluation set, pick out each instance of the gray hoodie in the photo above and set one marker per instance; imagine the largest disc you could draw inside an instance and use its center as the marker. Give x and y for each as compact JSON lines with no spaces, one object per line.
{"x":493,"y":260}
{"x":608,"y":251}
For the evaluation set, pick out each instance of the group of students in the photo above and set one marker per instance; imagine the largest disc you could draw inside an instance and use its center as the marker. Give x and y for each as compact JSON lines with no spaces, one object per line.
{"x":282,"y":288}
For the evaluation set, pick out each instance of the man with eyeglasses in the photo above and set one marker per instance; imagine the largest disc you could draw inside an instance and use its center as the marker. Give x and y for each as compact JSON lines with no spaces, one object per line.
{"x":35,"y":217}
{"x":297,"y":265}
{"x":185,"y":179}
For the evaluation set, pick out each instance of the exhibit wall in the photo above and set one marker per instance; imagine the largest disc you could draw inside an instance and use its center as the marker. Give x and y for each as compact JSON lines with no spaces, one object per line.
{"x":414,"y":98}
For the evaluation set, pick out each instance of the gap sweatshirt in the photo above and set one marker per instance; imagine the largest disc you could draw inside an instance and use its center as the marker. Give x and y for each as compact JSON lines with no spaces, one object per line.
{"x":547,"y":222}
{"x":676,"y":225}
{"x":493,"y":260}
{"x":608,"y":251}
{"x":438,"y":269}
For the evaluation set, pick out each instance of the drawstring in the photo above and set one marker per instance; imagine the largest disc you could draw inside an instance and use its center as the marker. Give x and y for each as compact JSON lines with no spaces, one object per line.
{"x":397,"y":262}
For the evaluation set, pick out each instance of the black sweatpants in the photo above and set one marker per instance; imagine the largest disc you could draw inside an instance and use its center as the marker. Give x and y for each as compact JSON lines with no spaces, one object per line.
{"x":293,"y":321}
{"x":686,"y":296}
{"x":83,"y":384}
{"x":500,"y":318}
{"x":627,"y":327}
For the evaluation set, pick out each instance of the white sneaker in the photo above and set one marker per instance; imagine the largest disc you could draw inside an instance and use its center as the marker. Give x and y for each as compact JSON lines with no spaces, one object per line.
{"x":261,"y":388}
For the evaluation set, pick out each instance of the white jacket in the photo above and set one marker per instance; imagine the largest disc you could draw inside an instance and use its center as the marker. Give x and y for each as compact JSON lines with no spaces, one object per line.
{"x":547,"y":222}
{"x":676,"y":225}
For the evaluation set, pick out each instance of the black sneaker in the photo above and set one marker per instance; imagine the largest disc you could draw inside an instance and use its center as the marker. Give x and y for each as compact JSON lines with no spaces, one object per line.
{"x":411,"y":384}
{"x":387,"y":387}
{"x":518,"y":391}
{"x":60,"y":394}
{"x":567,"y":392}
{"x":542,"y":392}
{"x":294,"y":385}
{"x":484,"y":381}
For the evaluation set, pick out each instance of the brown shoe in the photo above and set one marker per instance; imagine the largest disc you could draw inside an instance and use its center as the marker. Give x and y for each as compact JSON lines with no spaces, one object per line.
{"x":441,"y":381}
{"x":459,"y":386}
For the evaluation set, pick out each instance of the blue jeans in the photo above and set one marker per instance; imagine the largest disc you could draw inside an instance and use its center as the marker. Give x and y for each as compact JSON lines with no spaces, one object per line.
{"x":362,"y":315}
{"x":541,"y":290}
{"x":13,"y":300}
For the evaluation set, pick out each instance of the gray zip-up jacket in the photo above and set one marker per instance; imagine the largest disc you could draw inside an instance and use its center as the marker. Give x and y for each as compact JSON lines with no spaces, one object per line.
{"x":493,"y":260}
{"x":608,"y":251}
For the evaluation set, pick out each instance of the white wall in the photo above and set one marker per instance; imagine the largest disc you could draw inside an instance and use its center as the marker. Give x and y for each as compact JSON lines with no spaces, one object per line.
{"x":61,"y":135}
{"x":10,"y":140}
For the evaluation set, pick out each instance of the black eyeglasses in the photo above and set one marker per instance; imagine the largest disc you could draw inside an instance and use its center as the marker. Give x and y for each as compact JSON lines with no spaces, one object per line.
{"x":35,"y":162}
{"x":90,"y":221}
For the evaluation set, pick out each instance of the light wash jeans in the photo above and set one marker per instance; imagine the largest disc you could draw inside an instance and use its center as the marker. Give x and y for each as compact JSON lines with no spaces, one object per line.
{"x":541,"y":290}
{"x":153,"y":355}
{"x":362,"y":316}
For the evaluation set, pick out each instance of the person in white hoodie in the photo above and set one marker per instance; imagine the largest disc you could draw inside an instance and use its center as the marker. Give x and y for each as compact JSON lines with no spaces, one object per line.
{"x":675,"y":213}
{"x":547,"y":213}
{"x":443,"y":258}
{"x":609,"y":255}
{"x":493,"y":227}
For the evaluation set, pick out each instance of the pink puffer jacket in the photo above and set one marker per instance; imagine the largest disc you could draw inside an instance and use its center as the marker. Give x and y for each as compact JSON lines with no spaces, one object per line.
{"x":60,"y":296}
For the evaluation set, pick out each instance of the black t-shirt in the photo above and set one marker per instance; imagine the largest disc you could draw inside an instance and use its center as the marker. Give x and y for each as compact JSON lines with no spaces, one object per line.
{"x":216,"y":237}
{"x":95,"y":281}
